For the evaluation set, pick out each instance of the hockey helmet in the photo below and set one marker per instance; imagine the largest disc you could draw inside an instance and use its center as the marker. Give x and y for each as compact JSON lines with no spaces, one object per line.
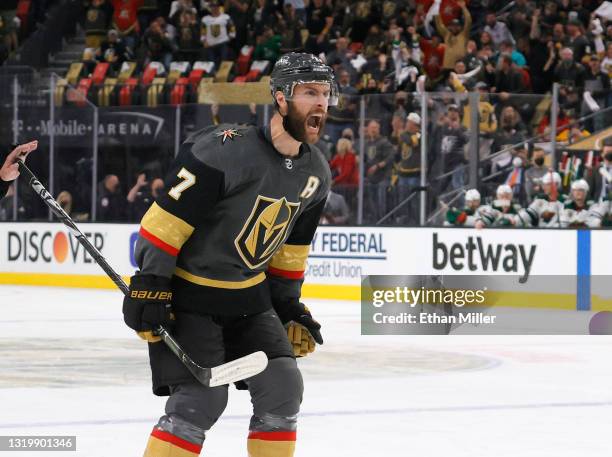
{"x":472,"y":195}
{"x":296,"y":68}
{"x":580,"y":184}
{"x":549,"y":178}
{"x":503,"y":189}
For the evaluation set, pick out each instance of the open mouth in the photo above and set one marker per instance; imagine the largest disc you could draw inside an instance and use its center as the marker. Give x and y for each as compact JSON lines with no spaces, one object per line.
{"x":313,"y":123}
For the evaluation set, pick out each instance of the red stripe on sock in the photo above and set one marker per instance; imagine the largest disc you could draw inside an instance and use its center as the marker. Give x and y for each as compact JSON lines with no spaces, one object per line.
{"x":180,"y":442}
{"x":158,"y":243}
{"x":272,"y":436}
{"x":286,"y":273}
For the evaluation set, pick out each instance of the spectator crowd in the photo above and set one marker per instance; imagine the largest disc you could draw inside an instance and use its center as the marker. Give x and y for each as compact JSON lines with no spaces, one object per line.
{"x":385,"y":54}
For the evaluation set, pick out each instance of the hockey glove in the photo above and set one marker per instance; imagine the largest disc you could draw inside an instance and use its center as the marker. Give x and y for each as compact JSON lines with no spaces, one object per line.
{"x":300,"y":339}
{"x":148,"y":305}
{"x":302,"y":330}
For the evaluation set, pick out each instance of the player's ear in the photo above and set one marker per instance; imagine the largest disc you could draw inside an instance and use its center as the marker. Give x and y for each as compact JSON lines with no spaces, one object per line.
{"x":281,"y":103}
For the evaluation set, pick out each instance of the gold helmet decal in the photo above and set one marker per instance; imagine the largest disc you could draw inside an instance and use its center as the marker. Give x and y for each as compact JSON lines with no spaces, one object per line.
{"x":265,"y":229}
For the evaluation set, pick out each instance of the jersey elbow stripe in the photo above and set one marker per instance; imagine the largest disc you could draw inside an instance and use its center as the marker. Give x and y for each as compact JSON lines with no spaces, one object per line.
{"x":291,"y":258}
{"x":166,"y":227}
{"x":158,"y":243}
{"x":286,"y":273}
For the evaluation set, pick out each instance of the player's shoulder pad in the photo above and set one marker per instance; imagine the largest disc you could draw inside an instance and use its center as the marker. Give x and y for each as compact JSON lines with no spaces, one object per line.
{"x":218,"y":146}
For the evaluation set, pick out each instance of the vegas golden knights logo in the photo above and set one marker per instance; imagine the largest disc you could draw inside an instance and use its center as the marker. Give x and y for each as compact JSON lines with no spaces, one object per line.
{"x":265,"y":229}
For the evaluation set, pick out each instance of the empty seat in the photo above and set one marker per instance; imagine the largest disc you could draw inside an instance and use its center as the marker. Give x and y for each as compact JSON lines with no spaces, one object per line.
{"x":177,"y":69}
{"x":224,"y":71}
{"x":179,"y":92}
{"x":244,"y":59}
{"x":83,"y":91}
{"x":99,"y":73}
{"x":258,"y":68}
{"x":74,"y":73}
{"x":126,"y":71}
{"x":105,"y":93}
{"x":126,"y":93}
{"x":150,"y":73}
{"x":155,"y":91}
{"x":60,"y":91}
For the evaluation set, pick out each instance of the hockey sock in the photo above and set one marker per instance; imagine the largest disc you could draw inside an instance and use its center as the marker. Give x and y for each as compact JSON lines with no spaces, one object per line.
{"x":164,"y":444}
{"x":271,"y":444}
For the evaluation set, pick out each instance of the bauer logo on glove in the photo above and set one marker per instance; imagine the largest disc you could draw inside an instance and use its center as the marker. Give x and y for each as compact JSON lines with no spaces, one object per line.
{"x":149,"y":295}
{"x":148,"y":305}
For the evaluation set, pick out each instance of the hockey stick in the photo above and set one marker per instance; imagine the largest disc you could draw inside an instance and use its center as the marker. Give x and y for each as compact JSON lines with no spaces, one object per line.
{"x":233,"y":371}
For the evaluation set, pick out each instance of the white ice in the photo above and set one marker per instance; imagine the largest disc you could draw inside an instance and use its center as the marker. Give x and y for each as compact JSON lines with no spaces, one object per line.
{"x":69,"y":366}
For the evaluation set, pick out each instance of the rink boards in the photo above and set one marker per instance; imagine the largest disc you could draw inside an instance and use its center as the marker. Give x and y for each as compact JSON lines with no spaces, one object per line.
{"x":47,"y":254}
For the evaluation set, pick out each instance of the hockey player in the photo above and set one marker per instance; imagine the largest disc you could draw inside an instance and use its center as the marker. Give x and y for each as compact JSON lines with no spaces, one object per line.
{"x":575,"y":211}
{"x":10,"y":169}
{"x":600,"y":214}
{"x":228,"y":241}
{"x":546,"y":206}
{"x":503,"y":212}
{"x":467,"y":216}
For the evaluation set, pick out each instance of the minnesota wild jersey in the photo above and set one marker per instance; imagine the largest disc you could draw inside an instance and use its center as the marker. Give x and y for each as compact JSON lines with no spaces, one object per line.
{"x":573,"y":215}
{"x":542,"y":211}
{"x":501,"y":213}
{"x":465,"y":217}
{"x":600,"y":214}
{"x":234,"y":225}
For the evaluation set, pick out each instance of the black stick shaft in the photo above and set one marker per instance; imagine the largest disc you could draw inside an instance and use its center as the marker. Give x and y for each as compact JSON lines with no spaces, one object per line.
{"x":99,"y":258}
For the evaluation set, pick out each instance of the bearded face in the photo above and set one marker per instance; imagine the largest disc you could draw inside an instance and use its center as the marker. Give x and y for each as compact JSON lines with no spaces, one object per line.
{"x":306,"y":111}
{"x":304,"y":126}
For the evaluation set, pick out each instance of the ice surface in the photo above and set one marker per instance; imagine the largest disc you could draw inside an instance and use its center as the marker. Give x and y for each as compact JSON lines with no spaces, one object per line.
{"x":69,"y":366}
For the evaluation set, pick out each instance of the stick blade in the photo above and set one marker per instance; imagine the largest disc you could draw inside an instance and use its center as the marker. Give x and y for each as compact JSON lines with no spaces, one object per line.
{"x":239,"y":369}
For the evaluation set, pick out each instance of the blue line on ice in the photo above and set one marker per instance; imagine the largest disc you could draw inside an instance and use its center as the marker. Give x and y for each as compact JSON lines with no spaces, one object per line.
{"x":442,"y":409}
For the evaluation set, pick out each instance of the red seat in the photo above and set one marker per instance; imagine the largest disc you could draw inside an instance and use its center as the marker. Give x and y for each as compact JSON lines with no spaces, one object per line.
{"x":244,"y":59}
{"x":253,"y":75}
{"x":23,"y":10}
{"x":126,"y":92}
{"x":99,"y":73}
{"x":83,"y":89}
{"x":179,"y":91}
{"x":149,"y":75}
{"x":356,"y":47}
{"x":195,"y":77}
{"x":526,"y":78}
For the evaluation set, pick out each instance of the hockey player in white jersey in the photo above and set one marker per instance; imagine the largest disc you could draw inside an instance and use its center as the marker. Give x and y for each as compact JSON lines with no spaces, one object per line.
{"x":600,"y":213}
{"x":546,"y":206}
{"x":575,"y":211}
{"x":503,"y":212}
{"x":467,"y":216}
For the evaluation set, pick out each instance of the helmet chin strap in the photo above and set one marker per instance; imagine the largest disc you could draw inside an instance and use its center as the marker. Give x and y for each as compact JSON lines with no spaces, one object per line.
{"x":281,"y":139}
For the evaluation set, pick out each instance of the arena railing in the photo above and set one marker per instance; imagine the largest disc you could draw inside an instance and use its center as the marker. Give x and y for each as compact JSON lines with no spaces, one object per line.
{"x":89,"y":141}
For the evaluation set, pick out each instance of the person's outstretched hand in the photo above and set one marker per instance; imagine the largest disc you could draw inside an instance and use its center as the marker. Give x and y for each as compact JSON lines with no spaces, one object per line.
{"x":10,"y":167}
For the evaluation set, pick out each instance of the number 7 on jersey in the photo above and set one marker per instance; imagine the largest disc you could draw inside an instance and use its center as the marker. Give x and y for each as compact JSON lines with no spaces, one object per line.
{"x":189,"y":180}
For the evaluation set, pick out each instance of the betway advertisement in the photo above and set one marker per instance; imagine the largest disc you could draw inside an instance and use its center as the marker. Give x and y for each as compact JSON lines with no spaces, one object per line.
{"x":340,"y":255}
